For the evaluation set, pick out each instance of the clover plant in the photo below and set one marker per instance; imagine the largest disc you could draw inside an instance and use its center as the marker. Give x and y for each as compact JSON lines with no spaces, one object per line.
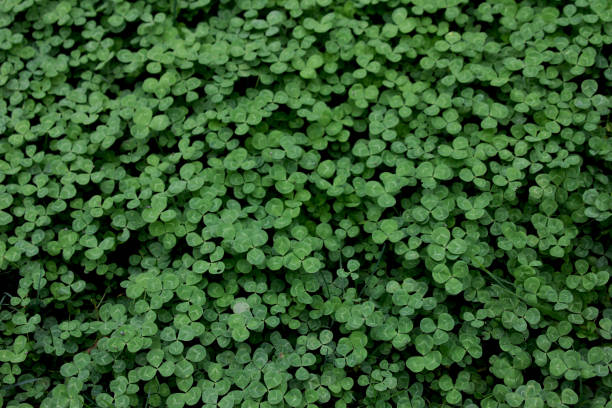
{"x":305,"y":203}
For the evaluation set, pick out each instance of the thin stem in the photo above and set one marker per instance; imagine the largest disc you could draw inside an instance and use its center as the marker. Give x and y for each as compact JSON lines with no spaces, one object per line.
{"x":24,"y":382}
{"x":382,"y":251}
{"x":38,"y":288}
{"x":325,"y":283}
{"x":544,"y":309}
{"x":174,"y":9}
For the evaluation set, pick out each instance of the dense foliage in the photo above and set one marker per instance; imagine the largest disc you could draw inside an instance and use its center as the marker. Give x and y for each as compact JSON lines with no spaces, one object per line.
{"x":305,"y":203}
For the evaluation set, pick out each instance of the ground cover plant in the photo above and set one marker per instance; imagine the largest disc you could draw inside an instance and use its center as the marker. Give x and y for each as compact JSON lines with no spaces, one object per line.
{"x":305,"y":203}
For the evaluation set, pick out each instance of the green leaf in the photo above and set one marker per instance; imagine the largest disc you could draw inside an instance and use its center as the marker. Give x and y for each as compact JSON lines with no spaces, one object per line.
{"x":443,"y":172}
{"x":415,"y":364}
{"x":143,"y":116}
{"x":159,"y":203}
{"x":314,"y":61}
{"x":94,"y":253}
{"x":159,"y":122}
{"x":155,"y":357}
{"x":5,"y":200}
{"x":441,"y":236}
{"x":240,"y":334}
{"x":196,"y":353}
{"x":425,"y":170}
{"x":457,"y":246}
{"x":256,"y":257}
{"x":453,"y":286}
{"x":427,"y":325}
{"x":446,"y":322}
{"x":436,"y":252}
{"x":273,"y":379}
{"x":293,"y":398}
{"x":557,"y":367}
{"x":386,"y":201}
{"x":175,"y":401}
{"x":568,"y":396}
{"x":311,"y":265}
{"x":441,"y":273}
{"x":215,"y":371}
{"x":499,"y":111}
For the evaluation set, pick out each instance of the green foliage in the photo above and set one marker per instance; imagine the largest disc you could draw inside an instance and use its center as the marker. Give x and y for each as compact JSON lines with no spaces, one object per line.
{"x":256,"y":203}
